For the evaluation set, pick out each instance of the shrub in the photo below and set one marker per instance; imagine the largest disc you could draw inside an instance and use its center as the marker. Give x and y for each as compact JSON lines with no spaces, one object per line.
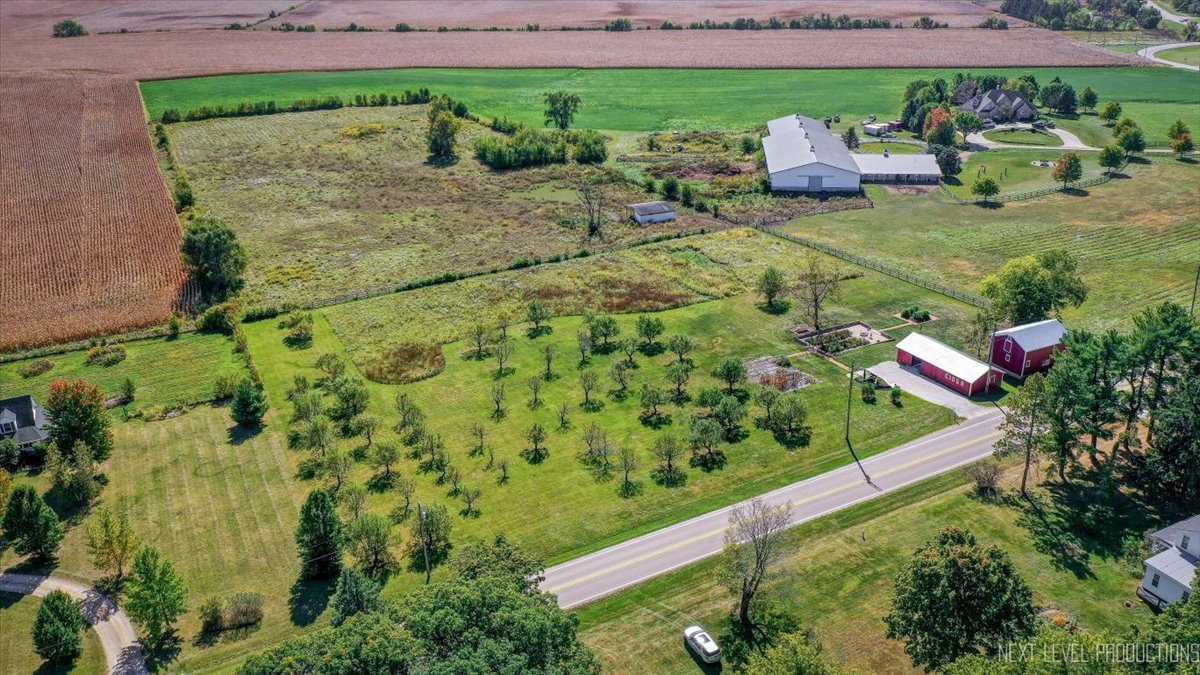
{"x":670,"y":187}
{"x":987,"y":478}
{"x":69,"y":28}
{"x":210,"y":616}
{"x":868,"y":392}
{"x":528,"y":147}
{"x":184,"y":197}
{"x":589,"y":148}
{"x":243,"y":609}
{"x":896,"y":394}
{"x":221,"y":318}
{"x":106,"y":355}
{"x":619,"y":25}
{"x":35,"y":368}
{"x":171,"y":115}
{"x":649,"y":184}
{"x":224,"y":387}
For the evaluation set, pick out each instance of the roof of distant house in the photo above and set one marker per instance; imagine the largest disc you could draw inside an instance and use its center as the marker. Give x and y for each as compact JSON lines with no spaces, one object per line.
{"x":987,"y":100}
{"x":652,"y":208}
{"x":911,"y":164}
{"x":797,"y":140}
{"x":1175,"y":564}
{"x":1038,"y":335}
{"x":943,"y":356}
{"x":1191,"y":525}
{"x":29,"y":417}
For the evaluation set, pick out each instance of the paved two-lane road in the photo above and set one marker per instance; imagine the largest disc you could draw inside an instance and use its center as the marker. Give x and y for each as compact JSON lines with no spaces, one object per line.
{"x":593,"y":576}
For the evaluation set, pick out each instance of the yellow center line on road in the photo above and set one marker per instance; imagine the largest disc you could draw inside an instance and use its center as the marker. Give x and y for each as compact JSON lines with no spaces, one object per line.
{"x":705,"y":535}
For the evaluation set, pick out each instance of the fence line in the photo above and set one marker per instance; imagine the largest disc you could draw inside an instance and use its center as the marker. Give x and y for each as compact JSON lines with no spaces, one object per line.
{"x":1031,"y":194}
{"x":890,"y":270}
{"x":846,"y":205}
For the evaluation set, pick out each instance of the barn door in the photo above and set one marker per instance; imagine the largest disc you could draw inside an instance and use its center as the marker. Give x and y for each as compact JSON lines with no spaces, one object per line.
{"x":815,"y":183}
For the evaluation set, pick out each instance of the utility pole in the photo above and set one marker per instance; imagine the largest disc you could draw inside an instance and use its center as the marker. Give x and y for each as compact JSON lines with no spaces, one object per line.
{"x":849,"y":400}
{"x":424,"y":541}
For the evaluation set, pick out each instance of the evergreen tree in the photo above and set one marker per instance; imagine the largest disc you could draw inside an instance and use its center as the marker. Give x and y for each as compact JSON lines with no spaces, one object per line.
{"x":356,"y":592}
{"x":319,"y":536}
{"x":249,"y":405}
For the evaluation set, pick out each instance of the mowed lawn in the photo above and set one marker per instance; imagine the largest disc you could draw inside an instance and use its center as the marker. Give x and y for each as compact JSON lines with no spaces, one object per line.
{"x":1185,"y":55}
{"x":165,"y":372}
{"x":1137,"y":238}
{"x":17,"y":655}
{"x":836,"y":579}
{"x":1014,"y":170}
{"x":1024,"y":137}
{"x":684,"y":99}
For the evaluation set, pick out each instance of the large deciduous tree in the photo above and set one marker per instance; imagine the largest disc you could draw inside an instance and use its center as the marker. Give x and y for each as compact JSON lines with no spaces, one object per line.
{"x":216,"y":260}
{"x":78,"y":419}
{"x":955,"y":598}
{"x":58,"y":628}
{"x":155,"y":596}
{"x":111,"y":541}
{"x":1029,"y":288}
{"x":752,"y":548}
{"x":561,"y":107}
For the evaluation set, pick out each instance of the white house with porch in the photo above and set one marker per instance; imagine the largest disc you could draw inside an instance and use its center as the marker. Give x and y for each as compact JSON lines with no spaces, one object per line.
{"x":1170,"y":571}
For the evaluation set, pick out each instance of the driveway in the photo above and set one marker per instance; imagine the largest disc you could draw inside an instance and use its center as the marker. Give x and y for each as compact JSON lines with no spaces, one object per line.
{"x":122,"y":652}
{"x":1168,"y":14}
{"x":922,"y":387}
{"x":1149,"y":52}
{"x":1070,"y":140}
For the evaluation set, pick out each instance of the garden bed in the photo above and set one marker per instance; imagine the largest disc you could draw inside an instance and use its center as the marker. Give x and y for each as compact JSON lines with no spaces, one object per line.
{"x":840,"y":338}
{"x":770,"y":371}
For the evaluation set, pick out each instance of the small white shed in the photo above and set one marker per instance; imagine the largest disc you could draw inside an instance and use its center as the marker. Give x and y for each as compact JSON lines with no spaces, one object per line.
{"x":652,"y":212}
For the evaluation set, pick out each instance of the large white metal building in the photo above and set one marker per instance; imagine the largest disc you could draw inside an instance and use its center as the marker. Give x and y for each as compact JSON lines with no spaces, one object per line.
{"x":803,"y":156}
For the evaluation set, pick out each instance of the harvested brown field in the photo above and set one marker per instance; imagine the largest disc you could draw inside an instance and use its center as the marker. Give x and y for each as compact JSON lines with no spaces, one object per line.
{"x":384,"y":14}
{"x":150,"y":56}
{"x":90,"y":239}
{"x":36,"y":17}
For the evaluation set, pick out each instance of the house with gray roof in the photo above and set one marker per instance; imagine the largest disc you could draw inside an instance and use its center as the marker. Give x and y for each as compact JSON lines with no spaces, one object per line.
{"x":23,"y":421}
{"x":1000,"y":105}
{"x":1172,"y":567}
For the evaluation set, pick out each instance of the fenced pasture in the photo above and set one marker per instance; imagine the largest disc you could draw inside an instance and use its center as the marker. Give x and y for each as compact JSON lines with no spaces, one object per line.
{"x":90,"y":239}
{"x":1136,"y":237}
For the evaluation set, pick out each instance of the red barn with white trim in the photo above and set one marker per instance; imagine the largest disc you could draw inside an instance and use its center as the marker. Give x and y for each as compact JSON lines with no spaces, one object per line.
{"x":947,"y":366}
{"x":1025,"y":350}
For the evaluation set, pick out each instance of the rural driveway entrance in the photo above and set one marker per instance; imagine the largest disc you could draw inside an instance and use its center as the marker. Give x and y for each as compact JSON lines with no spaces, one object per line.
{"x":122,"y":652}
{"x":1070,"y":140}
{"x":893,"y":373}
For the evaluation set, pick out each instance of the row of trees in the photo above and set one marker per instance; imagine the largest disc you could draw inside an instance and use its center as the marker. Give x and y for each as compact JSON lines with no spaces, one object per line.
{"x":1097,"y":15}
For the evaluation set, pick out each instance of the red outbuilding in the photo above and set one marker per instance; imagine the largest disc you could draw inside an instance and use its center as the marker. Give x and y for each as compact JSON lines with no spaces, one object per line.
{"x":1025,"y":350}
{"x":947,"y":366}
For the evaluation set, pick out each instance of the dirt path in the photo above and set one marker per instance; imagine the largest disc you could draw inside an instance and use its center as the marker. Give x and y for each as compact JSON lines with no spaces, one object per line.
{"x":122,"y":652}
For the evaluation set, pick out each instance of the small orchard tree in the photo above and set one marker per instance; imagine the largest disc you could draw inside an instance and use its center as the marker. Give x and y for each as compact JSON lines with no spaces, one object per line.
{"x":629,"y":461}
{"x":606,"y":329}
{"x":383,"y":456}
{"x":668,"y":450}
{"x":731,"y":371}
{"x":536,"y":435}
{"x":986,"y":187}
{"x":588,"y":381}
{"x":58,"y":628}
{"x":771,"y":284}
{"x":1068,"y":169}
{"x":537,"y":315}
{"x":369,"y":539}
{"x":561,"y":107}
{"x":680,"y":345}
{"x":678,"y":374}
{"x":649,"y":328}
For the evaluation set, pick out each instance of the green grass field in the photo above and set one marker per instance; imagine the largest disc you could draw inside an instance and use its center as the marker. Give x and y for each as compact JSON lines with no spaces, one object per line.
{"x":166,"y":372}
{"x":877,"y":148}
{"x":17,"y":613}
{"x":1143,"y":223}
{"x":1024,"y":137}
{"x":1185,"y":55}
{"x":1014,"y":170}
{"x":323,"y":212}
{"x":836,"y":579}
{"x":684,"y":99}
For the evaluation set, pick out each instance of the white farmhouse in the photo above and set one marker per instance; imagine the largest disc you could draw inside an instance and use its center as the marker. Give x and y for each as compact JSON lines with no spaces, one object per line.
{"x":1170,"y":571}
{"x":803,"y":156}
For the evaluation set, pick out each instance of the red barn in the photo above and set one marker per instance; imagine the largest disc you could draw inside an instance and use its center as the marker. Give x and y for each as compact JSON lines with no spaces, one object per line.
{"x":1025,"y":350}
{"x":947,"y":366}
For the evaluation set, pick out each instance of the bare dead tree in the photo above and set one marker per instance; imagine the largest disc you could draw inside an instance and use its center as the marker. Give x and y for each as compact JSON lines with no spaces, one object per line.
{"x":751,"y":549}
{"x":819,"y":282}
{"x":591,"y":199}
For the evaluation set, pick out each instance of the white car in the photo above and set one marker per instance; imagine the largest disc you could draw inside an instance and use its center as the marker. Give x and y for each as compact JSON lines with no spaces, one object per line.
{"x":702,"y":643}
